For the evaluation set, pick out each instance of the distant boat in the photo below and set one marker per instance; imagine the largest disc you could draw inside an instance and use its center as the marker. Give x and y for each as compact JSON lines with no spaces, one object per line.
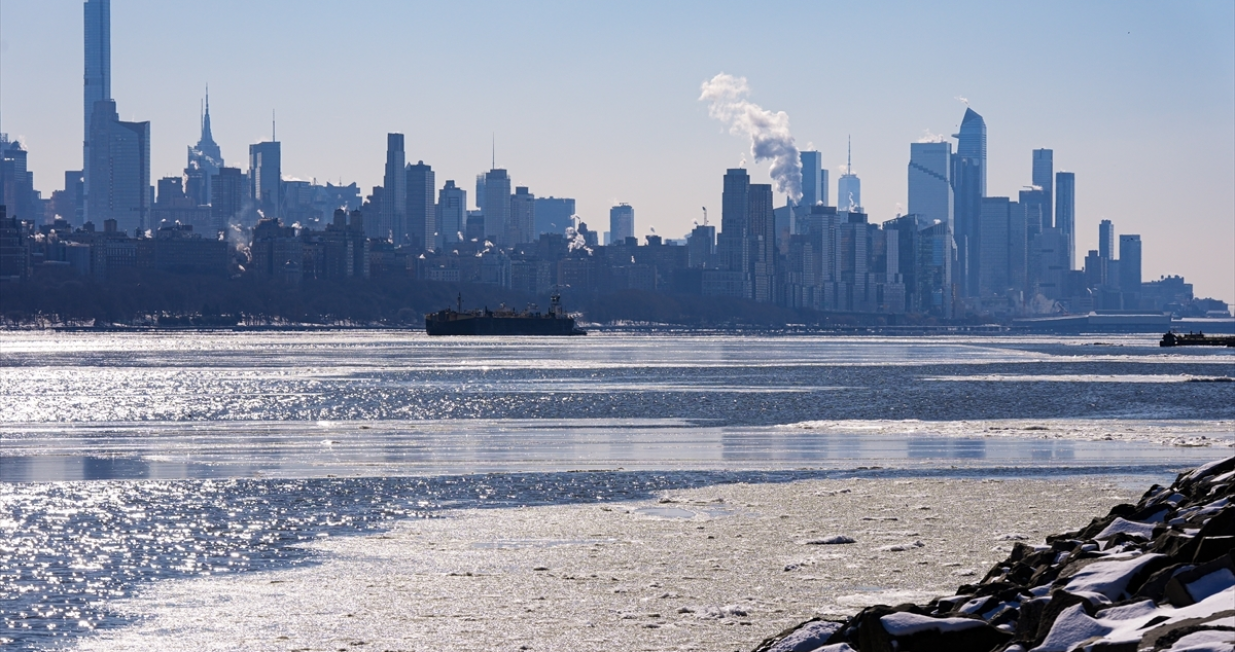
{"x":502,"y":321}
{"x":1196,"y":339}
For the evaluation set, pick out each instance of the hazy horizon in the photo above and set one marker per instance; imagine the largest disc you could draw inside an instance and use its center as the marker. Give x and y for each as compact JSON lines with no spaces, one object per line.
{"x":601,"y":103}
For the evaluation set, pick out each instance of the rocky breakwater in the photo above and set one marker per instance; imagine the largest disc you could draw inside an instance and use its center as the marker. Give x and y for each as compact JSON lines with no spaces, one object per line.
{"x":1158,"y":575}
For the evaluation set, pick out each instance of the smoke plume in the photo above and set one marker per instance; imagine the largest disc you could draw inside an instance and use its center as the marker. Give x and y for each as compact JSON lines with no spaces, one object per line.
{"x":769,"y":132}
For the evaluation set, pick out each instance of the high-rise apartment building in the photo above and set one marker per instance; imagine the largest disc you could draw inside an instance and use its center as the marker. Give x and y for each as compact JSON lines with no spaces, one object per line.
{"x":496,"y":206}
{"x":1106,"y":240}
{"x":119,"y":183}
{"x":451,"y":213}
{"x":97,"y":41}
{"x":1044,"y":178}
{"x":621,"y":223}
{"x":422,"y":232}
{"x":968,"y":188}
{"x":814,"y":181}
{"x":761,"y":236}
{"x":731,"y":242}
{"x":522,"y":217}
{"x":1003,"y":256}
{"x":1130,"y":263}
{"x":930,"y":184}
{"x":228,"y":190}
{"x":392,"y":220}
{"x":266,"y":178}
{"x":1065,"y":213}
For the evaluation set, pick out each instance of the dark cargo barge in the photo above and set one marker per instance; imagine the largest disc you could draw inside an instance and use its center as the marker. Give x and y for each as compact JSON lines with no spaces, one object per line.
{"x":502,"y":321}
{"x":1196,"y":339}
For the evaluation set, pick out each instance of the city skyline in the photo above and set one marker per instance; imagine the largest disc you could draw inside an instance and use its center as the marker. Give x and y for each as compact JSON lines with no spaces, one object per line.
{"x":664,"y":156}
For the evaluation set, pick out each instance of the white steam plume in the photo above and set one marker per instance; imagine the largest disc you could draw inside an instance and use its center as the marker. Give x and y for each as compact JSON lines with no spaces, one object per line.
{"x":769,"y":132}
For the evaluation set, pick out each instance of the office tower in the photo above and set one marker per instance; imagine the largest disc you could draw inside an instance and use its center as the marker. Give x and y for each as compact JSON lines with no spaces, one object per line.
{"x":205,"y":159}
{"x":228,"y":190}
{"x":392,"y":218}
{"x":480,"y":192}
{"x":97,"y":40}
{"x":119,"y":183}
{"x":1130,"y":263}
{"x":1044,"y":177}
{"x":968,"y":188}
{"x":451,"y":213}
{"x":621,"y":223}
{"x":1106,"y":239}
{"x":522,"y":217}
{"x":421,"y":215}
{"x":1065,"y":213}
{"x":761,"y":235}
{"x":1033,"y":201}
{"x":1002,"y":257}
{"x":930,"y":186}
{"x":849,"y":188}
{"x":553,"y":214}
{"x":266,"y":178}
{"x":496,"y":206}
{"x":814,"y":181}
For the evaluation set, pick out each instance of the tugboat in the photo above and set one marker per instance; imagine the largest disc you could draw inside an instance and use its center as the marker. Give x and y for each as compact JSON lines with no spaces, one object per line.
{"x":502,"y":321}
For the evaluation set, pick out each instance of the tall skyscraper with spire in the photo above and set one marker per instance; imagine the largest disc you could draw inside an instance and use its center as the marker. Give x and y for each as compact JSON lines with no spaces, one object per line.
{"x":849,"y":188}
{"x":968,"y":187}
{"x":97,"y":40}
{"x":205,"y":159}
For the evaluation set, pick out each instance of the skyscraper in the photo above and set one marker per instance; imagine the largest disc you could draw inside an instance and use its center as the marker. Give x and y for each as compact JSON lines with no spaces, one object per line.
{"x":205,"y":159}
{"x":1003,"y":256}
{"x":97,"y":40}
{"x":266,"y":178}
{"x":1044,"y":178}
{"x":761,"y":235}
{"x":968,"y":188}
{"x":1106,"y":240}
{"x":421,"y":210}
{"x":522,"y":217}
{"x":849,"y":188}
{"x":119,"y":185}
{"x":1065,"y":213}
{"x":392,"y":221}
{"x":814,"y":181}
{"x":1130,"y":263}
{"x":496,"y":205}
{"x":553,"y":214}
{"x":228,"y":189}
{"x":621,"y":223}
{"x":930,"y":185}
{"x":451,"y":212}
{"x":731,"y":244}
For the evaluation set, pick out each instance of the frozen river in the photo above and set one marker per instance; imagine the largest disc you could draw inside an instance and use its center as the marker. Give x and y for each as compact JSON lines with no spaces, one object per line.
{"x":132,"y":463}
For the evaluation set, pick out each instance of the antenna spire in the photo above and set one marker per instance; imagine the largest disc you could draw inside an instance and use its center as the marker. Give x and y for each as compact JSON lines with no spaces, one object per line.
{"x":273,"y":133}
{"x":849,"y":160}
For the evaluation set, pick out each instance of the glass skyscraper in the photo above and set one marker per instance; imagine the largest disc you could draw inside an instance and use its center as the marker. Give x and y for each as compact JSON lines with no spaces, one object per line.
{"x":97,"y":41}
{"x":968,"y":187}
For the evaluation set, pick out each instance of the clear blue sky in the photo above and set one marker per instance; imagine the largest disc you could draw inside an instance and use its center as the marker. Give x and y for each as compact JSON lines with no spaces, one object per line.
{"x":599,"y":101}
